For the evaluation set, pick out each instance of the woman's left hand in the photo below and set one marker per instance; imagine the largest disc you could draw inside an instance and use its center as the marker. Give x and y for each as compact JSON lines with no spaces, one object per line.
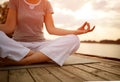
{"x":85,"y":28}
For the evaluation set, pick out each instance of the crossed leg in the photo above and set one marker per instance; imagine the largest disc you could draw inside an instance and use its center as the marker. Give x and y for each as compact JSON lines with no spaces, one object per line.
{"x":30,"y":58}
{"x":17,"y":54}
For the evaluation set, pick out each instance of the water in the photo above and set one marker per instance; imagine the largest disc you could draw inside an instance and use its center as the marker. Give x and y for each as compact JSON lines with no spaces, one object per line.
{"x":105,"y":50}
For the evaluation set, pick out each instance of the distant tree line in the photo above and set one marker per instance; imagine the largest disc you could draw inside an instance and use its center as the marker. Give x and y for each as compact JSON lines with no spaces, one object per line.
{"x":103,"y":41}
{"x":110,"y":41}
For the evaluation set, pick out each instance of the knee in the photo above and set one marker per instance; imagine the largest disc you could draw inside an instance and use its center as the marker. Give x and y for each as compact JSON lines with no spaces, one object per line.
{"x":74,"y":40}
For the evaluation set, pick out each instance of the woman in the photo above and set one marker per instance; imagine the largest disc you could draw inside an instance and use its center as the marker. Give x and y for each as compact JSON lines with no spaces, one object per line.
{"x":25,"y":18}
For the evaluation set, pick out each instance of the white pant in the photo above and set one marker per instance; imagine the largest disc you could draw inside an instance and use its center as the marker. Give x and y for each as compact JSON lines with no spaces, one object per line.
{"x":11,"y":49}
{"x":58,"y":50}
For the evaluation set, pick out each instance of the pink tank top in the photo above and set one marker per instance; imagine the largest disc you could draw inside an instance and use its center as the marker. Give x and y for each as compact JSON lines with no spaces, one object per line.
{"x":30,"y":20}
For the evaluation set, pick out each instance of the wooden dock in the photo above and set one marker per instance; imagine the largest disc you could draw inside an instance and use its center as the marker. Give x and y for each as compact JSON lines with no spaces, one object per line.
{"x":102,"y":70}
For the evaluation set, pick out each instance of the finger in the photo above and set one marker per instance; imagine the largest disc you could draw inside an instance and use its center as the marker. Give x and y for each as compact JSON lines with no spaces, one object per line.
{"x":92,"y":29}
{"x":83,"y":26}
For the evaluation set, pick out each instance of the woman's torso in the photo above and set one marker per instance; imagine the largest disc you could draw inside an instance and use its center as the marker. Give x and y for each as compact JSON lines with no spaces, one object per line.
{"x":29,"y":21}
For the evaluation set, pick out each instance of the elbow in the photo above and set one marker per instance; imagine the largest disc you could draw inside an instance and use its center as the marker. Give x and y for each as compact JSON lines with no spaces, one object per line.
{"x":9,"y":31}
{"x":50,"y":32}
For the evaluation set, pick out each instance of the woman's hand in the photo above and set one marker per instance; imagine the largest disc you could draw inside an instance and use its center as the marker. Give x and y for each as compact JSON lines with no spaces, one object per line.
{"x":85,"y":28}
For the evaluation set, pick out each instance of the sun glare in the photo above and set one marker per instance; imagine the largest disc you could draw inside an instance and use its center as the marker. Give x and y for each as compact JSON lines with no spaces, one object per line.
{"x":85,"y":13}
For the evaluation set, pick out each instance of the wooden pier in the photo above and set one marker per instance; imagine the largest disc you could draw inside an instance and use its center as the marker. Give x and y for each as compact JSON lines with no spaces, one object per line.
{"x":95,"y":69}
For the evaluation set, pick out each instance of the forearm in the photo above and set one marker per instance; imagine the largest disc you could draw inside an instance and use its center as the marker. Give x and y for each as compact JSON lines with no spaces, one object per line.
{"x":10,"y":23}
{"x":59,"y":31}
{"x":3,"y":28}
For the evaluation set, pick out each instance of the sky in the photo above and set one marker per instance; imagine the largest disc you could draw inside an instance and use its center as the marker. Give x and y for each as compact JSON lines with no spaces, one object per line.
{"x":104,"y":14}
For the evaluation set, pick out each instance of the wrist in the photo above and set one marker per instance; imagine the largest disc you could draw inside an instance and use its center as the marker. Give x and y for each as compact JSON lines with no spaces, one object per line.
{"x":76,"y":32}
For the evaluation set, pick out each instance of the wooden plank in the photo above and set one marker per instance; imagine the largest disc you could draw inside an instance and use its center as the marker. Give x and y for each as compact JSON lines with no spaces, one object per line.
{"x":20,"y":76}
{"x":3,"y":76}
{"x":98,"y":72}
{"x":110,"y":65}
{"x":111,"y":70}
{"x":82,"y":74}
{"x":63,"y":75}
{"x":42,"y":75}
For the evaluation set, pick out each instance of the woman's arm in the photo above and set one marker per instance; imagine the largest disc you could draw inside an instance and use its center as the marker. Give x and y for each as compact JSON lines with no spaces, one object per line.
{"x":10,"y":23}
{"x":49,"y":23}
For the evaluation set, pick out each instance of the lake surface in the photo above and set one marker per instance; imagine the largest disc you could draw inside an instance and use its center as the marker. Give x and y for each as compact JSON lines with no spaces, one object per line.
{"x":105,"y":50}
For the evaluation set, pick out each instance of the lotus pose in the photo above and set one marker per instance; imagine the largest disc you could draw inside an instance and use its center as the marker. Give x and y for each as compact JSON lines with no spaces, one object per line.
{"x":28,"y":45}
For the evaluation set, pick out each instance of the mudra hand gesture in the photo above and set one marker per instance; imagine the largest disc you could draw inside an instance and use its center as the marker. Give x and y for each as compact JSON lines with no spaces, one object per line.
{"x":83,"y":29}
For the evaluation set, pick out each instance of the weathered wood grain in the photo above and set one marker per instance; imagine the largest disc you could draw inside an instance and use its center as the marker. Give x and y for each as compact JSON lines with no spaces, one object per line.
{"x":42,"y":75}
{"x":99,"y":72}
{"x":20,"y":76}
{"x":3,"y":76}
{"x":63,"y":75}
{"x":111,"y":70}
{"x":83,"y":74}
